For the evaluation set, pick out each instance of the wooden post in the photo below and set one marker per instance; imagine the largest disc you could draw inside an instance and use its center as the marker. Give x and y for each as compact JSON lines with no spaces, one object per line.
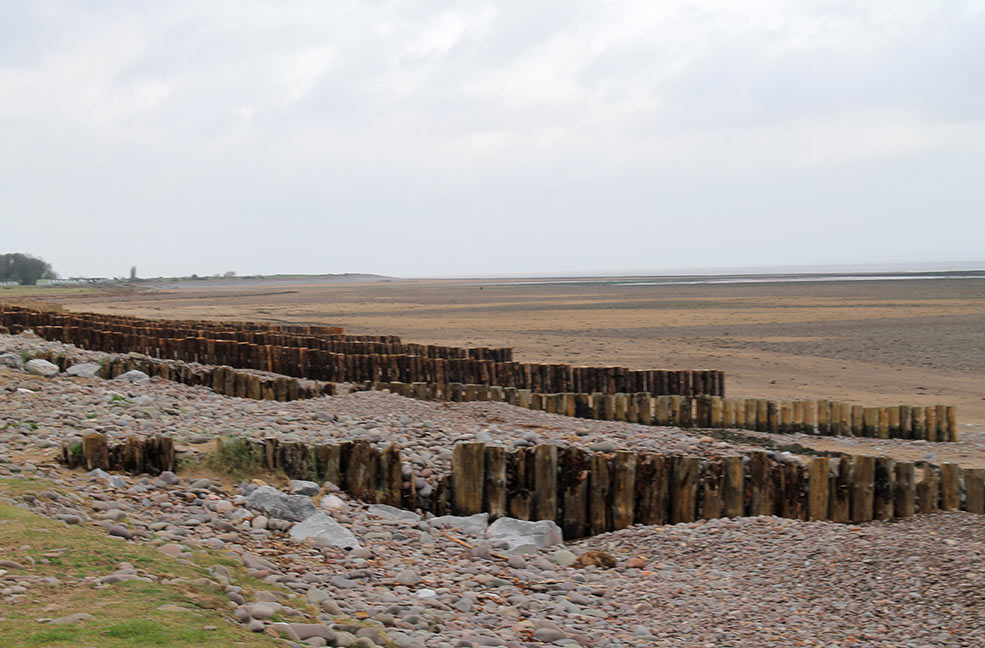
{"x":95,"y":451}
{"x":863,"y":473}
{"x":545,"y":482}
{"x":894,"y":423}
{"x":711,"y":489}
{"x":600,"y":486}
{"x":786,"y":417}
{"x":360,"y":471}
{"x":520,"y":483}
{"x":760,"y":485}
{"x":652,"y":488}
{"x":732,"y":486}
{"x":928,"y":489}
{"x":950,"y":476}
{"x":684,"y":489}
{"x":918,"y":416}
{"x":623,"y":489}
{"x":575,"y":471}
{"x":840,"y":492}
{"x":823,"y":425}
{"x":905,"y":422}
{"x":773,"y":416}
{"x":904,"y":504}
{"x":762,"y":415}
{"x":870,"y":421}
{"x":857,"y":420}
{"x":390,"y":479}
{"x":798,"y":416}
{"x":792,"y":490}
{"x":817,"y":489}
{"x":974,"y":479}
{"x":494,"y":490}
{"x":884,"y":485}
{"x":327,"y":462}
{"x":467,"y":478}
{"x":883,"y":430}
{"x":133,"y":456}
{"x":952,"y":423}
{"x":930,"y":416}
{"x":750,"y":408}
{"x":941,"y":416}
{"x":661,"y":411}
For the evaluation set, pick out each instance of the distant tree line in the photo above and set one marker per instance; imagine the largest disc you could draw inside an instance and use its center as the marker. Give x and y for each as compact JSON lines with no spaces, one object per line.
{"x":24,"y":269}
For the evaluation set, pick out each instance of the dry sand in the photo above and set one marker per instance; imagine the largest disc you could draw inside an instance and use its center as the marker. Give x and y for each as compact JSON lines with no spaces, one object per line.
{"x":865,"y":342}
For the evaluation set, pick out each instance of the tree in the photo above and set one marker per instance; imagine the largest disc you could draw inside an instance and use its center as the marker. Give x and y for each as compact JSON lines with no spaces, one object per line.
{"x":24,"y":269}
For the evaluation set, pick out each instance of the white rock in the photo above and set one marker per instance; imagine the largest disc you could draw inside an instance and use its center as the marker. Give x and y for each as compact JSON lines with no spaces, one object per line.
{"x":472,"y":524}
{"x":134,"y":376}
{"x":325,"y":530}
{"x":333,"y":503}
{"x":40,"y":367}
{"x":83,"y":370}
{"x":516,"y":533}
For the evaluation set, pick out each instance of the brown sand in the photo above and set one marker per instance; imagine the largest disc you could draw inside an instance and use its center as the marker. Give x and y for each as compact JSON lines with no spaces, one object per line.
{"x":865,"y":342}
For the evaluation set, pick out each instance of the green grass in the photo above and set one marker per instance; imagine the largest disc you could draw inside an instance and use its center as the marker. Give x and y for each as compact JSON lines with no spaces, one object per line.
{"x":125,"y":614}
{"x":236,"y":458}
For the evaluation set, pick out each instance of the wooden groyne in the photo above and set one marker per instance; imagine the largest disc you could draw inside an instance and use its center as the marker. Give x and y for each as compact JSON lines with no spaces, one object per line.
{"x":588,"y":493}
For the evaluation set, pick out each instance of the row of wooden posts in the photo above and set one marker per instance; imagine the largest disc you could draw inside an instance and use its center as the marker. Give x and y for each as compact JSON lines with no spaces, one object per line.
{"x":588,"y":493}
{"x":824,"y":417}
{"x":320,"y":364}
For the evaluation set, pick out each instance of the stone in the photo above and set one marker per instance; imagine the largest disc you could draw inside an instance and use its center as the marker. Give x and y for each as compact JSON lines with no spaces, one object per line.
{"x":332,"y":503}
{"x":392,"y":513}
{"x":604,"y":446}
{"x":134,"y":376}
{"x":276,"y":504}
{"x":325,"y":530}
{"x":12,"y":360}
{"x":261,"y":611}
{"x":83,"y":370}
{"x":39,"y":367}
{"x":548,"y":635}
{"x":472,"y":524}
{"x":516,"y":533}
{"x":564,"y":558}
{"x":302,"y":487}
{"x":408,"y":577}
{"x":71,"y":618}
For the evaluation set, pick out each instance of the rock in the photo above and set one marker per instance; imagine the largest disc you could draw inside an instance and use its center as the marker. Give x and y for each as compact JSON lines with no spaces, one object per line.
{"x":40,"y":367}
{"x":515,"y":533}
{"x":98,"y":473}
{"x":408,"y":577}
{"x":392,"y":513}
{"x":593,"y":558}
{"x":120,"y":532}
{"x":332,"y":503}
{"x":261,"y":611}
{"x":564,"y":558}
{"x":83,"y":370}
{"x":302,"y":487}
{"x":326,"y":530}
{"x":603,"y":446}
{"x":11,"y":359}
{"x":276,"y":504}
{"x":71,"y":618}
{"x":305,"y":631}
{"x":548,"y":635}
{"x":472,"y":524}
{"x":134,"y":376}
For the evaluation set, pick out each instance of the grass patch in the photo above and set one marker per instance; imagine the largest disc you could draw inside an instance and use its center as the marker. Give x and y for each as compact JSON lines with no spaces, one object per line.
{"x":236,"y":458}
{"x":125,"y":614}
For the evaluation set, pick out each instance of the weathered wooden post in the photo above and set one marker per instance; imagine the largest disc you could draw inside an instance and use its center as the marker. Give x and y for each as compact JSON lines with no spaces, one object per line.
{"x":732,"y":486}
{"x":904,"y":502}
{"x":840,"y":492}
{"x":600,"y":487}
{"x":545,"y":482}
{"x":863,"y":474}
{"x":711,"y":479}
{"x":823,"y":418}
{"x":760,"y":488}
{"x":360,"y":471}
{"x":623,"y":489}
{"x":494,"y":489}
{"x":652,"y":488}
{"x":391,"y":478}
{"x":575,"y":471}
{"x":928,"y":489}
{"x":467,"y":478}
{"x":95,"y":451}
{"x":974,"y":479}
{"x":684,"y":489}
{"x":817,"y":489}
{"x":884,"y":486}
{"x":950,"y":490}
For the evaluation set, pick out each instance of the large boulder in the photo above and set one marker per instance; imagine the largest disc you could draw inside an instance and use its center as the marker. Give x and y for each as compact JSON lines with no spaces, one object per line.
{"x":324,"y":530}
{"x":40,"y":367}
{"x":11,"y":359}
{"x":276,"y":504}
{"x":135,"y":376}
{"x":472,"y":524}
{"x":516,"y":533}
{"x":83,"y":370}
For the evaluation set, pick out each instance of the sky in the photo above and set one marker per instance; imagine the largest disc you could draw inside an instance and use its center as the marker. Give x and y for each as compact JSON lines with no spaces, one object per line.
{"x":490,"y":138}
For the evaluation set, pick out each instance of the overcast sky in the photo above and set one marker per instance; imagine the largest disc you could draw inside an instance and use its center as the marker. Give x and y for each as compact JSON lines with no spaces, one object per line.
{"x":469,"y":138}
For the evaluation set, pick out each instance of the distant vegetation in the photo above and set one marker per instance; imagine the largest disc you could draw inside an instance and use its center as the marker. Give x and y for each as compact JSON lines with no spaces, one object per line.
{"x":24,"y":269}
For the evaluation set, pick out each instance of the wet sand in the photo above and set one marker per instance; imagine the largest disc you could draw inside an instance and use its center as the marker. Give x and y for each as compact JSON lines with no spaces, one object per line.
{"x":866,"y":342}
